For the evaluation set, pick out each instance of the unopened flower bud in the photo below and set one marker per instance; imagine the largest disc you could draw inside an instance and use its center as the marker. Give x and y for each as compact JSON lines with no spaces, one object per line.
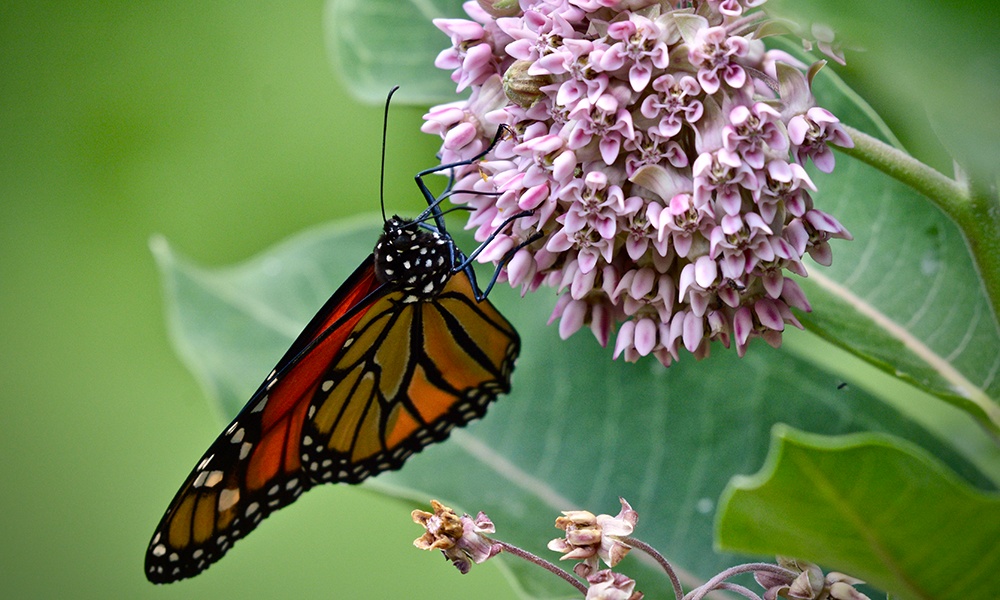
{"x":522,"y":88}
{"x":501,"y":8}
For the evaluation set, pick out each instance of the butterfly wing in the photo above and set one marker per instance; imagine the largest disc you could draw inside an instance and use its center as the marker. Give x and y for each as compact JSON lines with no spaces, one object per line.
{"x":409,"y":374}
{"x":381,"y":371}
{"x":254,"y":468}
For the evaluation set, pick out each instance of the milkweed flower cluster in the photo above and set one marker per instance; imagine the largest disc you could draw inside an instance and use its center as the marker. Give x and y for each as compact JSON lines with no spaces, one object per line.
{"x":660,"y":150}
{"x":589,"y":538}
{"x":460,"y":539}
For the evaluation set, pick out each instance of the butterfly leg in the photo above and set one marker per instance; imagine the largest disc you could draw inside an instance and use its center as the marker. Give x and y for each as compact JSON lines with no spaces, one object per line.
{"x":434,"y":202}
{"x":466,"y":265}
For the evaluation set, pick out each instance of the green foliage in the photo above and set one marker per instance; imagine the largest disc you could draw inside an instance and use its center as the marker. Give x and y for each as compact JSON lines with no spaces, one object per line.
{"x":931,"y":69}
{"x":378,"y":44}
{"x":577,"y":431}
{"x":904,"y":294}
{"x":870,"y":506}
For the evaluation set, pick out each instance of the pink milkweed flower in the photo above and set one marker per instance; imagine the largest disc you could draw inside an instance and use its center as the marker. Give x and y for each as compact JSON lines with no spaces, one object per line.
{"x":660,"y":167}
{"x":714,"y":52}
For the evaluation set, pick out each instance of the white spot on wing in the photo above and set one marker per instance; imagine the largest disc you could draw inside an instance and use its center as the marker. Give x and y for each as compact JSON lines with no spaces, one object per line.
{"x":204,"y":463}
{"x":214,"y":477}
{"x":228,"y":498}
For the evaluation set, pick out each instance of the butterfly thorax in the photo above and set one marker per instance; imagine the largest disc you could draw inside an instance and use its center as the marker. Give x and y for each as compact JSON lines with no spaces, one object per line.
{"x":414,"y":260}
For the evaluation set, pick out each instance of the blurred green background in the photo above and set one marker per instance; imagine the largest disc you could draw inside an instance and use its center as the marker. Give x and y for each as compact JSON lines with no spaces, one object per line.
{"x":222,"y":126}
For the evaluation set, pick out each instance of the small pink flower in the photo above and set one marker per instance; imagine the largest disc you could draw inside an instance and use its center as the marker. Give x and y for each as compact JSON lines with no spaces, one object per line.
{"x":783,"y":184}
{"x":471,"y":55}
{"x":638,"y":48}
{"x":652,"y":148}
{"x":809,"y":134}
{"x":675,"y":103}
{"x":536,"y":35}
{"x":593,"y":203}
{"x":723,"y":175}
{"x":714,"y":52}
{"x":753,"y":131}
{"x":605,"y":119}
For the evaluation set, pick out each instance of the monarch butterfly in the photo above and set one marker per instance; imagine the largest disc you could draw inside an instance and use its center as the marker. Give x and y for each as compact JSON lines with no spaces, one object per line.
{"x":404,"y":351}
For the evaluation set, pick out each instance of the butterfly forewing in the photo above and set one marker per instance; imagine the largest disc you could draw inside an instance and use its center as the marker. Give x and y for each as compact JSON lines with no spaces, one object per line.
{"x":402,"y":353}
{"x":254,"y":467}
{"x":410,"y":373}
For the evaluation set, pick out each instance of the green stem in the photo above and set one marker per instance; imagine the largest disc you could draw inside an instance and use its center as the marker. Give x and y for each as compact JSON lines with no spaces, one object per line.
{"x":976,"y":212}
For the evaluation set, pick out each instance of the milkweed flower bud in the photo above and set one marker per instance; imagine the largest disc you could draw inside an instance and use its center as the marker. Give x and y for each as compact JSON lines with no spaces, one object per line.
{"x":660,"y":148}
{"x":806,"y":581}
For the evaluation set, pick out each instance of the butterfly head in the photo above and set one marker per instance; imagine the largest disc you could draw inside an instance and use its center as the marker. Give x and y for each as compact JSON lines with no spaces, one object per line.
{"x":414,"y":260}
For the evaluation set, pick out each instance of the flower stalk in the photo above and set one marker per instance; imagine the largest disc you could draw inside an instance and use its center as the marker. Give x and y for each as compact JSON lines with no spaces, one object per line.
{"x":541,"y":562}
{"x":976,"y":212}
{"x":660,"y":559}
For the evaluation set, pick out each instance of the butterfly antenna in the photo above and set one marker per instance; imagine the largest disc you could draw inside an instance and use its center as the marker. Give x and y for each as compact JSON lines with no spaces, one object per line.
{"x":381,"y":175}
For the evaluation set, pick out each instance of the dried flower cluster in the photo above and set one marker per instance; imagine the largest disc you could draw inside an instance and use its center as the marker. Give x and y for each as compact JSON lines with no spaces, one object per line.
{"x":589,"y":538}
{"x":660,"y":149}
{"x":460,"y":539}
{"x":806,"y":581}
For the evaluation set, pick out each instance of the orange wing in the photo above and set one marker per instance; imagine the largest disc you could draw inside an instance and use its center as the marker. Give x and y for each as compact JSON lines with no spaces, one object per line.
{"x":254,"y":467}
{"x":410,"y":373}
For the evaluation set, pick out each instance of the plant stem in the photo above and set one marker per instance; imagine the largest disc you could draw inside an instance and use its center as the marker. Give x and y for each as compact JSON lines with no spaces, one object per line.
{"x":541,"y":562}
{"x":976,"y":212}
{"x":739,"y":589}
{"x":662,"y":560}
{"x":711,"y":584}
